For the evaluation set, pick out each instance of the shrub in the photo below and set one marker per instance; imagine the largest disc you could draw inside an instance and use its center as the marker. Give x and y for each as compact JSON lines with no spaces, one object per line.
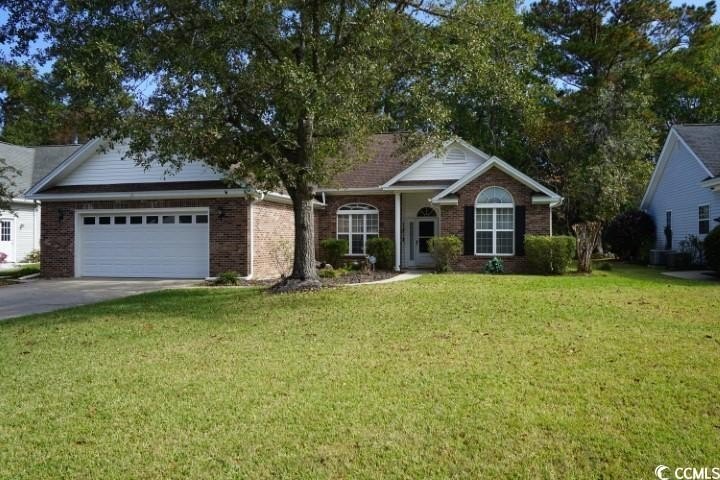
{"x":32,"y":257}
{"x":548,"y":255}
{"x":331,"y":272}
{"x":3,"y":256}
{"x":605,"y":266}
{"x":227,"y":278}
{"x":693,"y":247}
{"x":383,"y":249}
{"x":495,"y":266}
{"x":445,"y":251}
{"x":334,"y":249}
{"x":631,"y":235}
{"x":711,"y":249}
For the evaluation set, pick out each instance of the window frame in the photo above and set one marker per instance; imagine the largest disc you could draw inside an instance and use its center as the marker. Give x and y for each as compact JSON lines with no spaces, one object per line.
{"x":494,"y":207}
{"x":9,"y":232}
{"x":701,"y":220}
{"x":354,"y":209}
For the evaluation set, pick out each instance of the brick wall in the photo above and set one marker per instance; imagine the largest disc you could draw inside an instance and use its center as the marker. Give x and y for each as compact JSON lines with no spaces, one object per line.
{"x":537,"y":217}
{"x":274,"y":235}
{"x":228,"y":231}
{"x":326,"y":218}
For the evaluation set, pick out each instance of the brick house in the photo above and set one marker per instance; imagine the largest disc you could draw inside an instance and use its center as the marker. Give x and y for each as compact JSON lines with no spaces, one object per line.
{"x":104,"y":216}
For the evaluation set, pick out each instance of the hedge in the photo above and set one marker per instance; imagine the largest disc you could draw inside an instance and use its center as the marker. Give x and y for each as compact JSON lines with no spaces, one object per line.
{"x":548,"y":255}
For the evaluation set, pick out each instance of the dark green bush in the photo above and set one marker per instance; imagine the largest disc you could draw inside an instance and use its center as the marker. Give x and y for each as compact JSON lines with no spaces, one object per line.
{"x":445,"y":251}
{"x":334,"y":250}
{"x":548,"y":255}
{"x":631,"y":235}
{"x":495,"y":265}
{"x":383,"y":249}
{"x":227,"y":278}
{"x":711,"y":249}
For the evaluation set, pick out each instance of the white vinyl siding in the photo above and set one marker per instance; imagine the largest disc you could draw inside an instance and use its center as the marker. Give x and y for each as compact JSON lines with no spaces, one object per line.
{"x":679,"y":191}
{"x":25,"y":230}
{"x":443,"y":168}
{"x":109,"y":167}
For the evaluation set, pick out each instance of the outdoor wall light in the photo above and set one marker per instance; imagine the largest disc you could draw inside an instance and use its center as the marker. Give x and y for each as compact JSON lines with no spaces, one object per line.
{"x":221,"y":212}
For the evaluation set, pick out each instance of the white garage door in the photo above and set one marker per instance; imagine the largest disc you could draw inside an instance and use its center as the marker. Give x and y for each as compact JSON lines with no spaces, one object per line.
{"x":151,"y":243}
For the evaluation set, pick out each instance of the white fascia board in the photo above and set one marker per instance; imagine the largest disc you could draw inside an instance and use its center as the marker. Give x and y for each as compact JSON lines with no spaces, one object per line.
{"x":277,"y":198}
{"x":451,"y":201}
{"x":710,"y":183}
{"x":22,"y":201}
{"x":503,"y":166}
{"x":414,"y":188}
{"x":157,"y":195}
{"x":78,"y":156}
{"x":358,"y":191}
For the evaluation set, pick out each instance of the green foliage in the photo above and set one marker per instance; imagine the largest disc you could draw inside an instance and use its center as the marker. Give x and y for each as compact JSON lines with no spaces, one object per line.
{"x":445,"y":251}
{"x":32,"y":257}
{"x":631,"y":235}
{"x":605,"y":266}
{"x":227,"y":278}
{"x":549,"y":255}
{"x":711,"y":249}
{"x":494,"y":266}
{"x":331,"y":272}
{"x":334,"y":250}
{"x":7,"y":184}
{"x":383,"y":249}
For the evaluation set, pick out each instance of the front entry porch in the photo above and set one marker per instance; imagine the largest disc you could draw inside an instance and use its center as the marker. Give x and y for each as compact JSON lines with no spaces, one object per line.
{"x":419,"y":222}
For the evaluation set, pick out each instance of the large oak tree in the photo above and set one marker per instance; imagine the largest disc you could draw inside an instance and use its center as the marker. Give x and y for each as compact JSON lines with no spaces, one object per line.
{"x":281,"y":93}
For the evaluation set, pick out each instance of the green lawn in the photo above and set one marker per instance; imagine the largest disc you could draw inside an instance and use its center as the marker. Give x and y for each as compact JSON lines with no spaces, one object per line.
{"x":445,"y":376}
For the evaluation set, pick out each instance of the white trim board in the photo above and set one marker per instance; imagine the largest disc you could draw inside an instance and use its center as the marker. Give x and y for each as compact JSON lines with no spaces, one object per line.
{"x":504,"y":167}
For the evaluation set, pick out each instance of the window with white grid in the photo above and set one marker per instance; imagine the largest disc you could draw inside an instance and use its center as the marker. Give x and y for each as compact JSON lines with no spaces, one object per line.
{"x":356,"y":222}
{"x":494,"y":222}
{"x":5,"y":231}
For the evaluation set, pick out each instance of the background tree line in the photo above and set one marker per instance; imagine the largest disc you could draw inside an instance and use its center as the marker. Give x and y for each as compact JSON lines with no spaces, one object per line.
{"x":577,"y":93}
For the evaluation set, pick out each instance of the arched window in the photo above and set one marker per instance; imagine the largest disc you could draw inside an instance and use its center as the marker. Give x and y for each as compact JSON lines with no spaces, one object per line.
{"x":427,"y":212}
{"x":494,"y":222}
{"x":356,"y":222}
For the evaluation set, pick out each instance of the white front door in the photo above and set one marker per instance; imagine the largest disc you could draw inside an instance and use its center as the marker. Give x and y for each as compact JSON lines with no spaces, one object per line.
{"x":7,"y":238}
{"x":419,"y":232}
{"x":149,"y":243}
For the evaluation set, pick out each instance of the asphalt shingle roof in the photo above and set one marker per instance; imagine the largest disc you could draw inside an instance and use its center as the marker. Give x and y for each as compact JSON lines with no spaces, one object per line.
{"x":385,"y":160}
{"x":33,"y":163}
{"x":704,"y":140}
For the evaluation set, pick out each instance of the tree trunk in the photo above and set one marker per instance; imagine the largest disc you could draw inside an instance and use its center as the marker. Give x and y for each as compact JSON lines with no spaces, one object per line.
{"x":304,"y":275}
{"x":588,"y":235}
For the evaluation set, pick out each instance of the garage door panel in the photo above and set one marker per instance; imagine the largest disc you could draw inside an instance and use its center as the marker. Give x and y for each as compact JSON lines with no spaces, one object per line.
{"x":172,"y":250}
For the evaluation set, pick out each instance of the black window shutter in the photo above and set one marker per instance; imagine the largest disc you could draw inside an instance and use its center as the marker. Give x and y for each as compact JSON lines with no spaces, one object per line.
{"x":469,"y":240}
{"x":520,"y":230}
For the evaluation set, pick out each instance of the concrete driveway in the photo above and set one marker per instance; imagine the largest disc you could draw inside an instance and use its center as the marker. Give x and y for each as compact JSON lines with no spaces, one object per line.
{"x":48,"y":295}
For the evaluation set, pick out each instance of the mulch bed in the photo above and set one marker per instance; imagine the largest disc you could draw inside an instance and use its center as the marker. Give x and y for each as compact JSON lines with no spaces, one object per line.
{"x":357,"y":277}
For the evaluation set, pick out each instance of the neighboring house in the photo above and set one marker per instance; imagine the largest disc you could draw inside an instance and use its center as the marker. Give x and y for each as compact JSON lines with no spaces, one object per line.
{"x":20,"y":227}
{"x":104,"y":216}
{"x":683,"y":196}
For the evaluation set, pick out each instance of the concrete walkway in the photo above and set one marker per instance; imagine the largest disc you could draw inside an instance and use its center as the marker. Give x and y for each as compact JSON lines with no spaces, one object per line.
{"x":702,"y":275}
{"x":397,"y":278}
{"x":48,"y":295}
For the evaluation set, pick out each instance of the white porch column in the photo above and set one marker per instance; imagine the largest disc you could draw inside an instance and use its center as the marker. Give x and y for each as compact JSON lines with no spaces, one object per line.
{"x":398,"y":215}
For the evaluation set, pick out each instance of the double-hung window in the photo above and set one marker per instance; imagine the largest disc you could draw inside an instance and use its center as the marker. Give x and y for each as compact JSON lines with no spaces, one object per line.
{"x":356,"y":222}
{"x":494,"y":222}
{"x":703,"y":219}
